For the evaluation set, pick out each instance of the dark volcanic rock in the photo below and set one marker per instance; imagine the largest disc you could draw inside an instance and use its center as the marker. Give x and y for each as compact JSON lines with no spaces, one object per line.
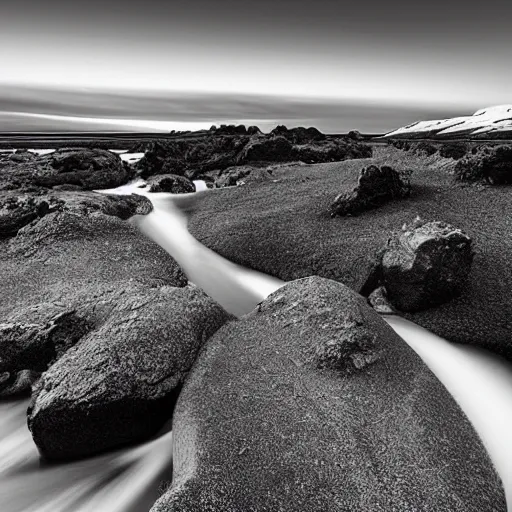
{"x":241,"y":175}
{"x":491,"y":164}
{"x":298,"y":135}
{"x":262,"y":149}
{"x":426,"y":265}
{"x":88,"y":168}
{"x":331,"y":151}
{"x":453,"y":150}
{"x":170,"y":183}
{"x":125,"y":207}
{"x":258,"y":426}
{"x":18,"y":211}
{"x":253,"y":130}
{"x":376,"y":186}
{"x":119,"y":384}
{"x":32,"y":347}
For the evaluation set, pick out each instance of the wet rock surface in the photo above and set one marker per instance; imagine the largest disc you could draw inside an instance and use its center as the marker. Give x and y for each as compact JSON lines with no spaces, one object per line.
{"x":426,"y":265}
{"x":376,"y":186}
{"x":258,"y":426}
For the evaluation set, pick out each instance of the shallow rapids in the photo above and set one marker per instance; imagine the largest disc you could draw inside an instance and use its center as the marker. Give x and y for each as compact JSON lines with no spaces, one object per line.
{"x":127,"y":480}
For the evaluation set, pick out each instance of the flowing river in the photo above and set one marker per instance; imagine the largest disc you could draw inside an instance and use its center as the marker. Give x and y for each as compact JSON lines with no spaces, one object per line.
{"x":131,"y":479}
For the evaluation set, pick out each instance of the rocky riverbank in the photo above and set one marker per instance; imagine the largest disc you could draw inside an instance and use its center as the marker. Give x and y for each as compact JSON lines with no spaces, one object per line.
{"x":310,"y":389}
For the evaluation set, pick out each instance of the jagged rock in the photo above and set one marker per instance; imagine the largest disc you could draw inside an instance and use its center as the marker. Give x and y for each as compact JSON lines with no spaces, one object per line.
{"x":376,"y":186}
{"x":170,"y":183}
{"x":258,"y":426}
{"x":119,"y":384}
{"x":426,"y":265}
{"x":379,"y":301}
{"x":261,"y":149}
{"x":299,"y":135}
{"x":491,"y":164}
{"x":32,"y":347}
{"x":88,"y":168}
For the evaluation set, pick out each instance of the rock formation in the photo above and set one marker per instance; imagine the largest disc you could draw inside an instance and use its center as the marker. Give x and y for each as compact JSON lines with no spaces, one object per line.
{"x":376,"y":186}
{"x":118,"y":385}
{"x":491,"y":164}
{"x":426,"y":265}
{"x":313,"y":403}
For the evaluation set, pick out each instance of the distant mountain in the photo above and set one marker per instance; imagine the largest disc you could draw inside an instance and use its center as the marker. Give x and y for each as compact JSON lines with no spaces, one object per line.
{"x":487,"y":123}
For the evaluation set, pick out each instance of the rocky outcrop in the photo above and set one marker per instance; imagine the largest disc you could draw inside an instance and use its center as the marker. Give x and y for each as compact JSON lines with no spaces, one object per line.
{"x":331,"y":151}
{"x":312,"y":403}
{"x":29,"y":348}
{"x":88,"y":168}
{"x":376,"y":186}
{"x":170,"y":183}
{"x":263,"y":149}
{"x":425,"y":265}
{"x":493,"y":165}
{"x":18,"y":211}
{"x":298,"y":135}
{"x":119,"y":384}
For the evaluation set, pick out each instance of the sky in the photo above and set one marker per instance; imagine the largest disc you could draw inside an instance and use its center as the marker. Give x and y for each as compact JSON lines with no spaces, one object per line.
{"x":372,"y":65}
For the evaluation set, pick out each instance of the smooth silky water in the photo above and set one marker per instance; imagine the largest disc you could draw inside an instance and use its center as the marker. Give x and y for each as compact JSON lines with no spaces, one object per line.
{"x":129,"y":480}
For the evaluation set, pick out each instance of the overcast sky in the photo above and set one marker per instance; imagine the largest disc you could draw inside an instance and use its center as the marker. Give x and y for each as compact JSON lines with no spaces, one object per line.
{"x":259,"y":60}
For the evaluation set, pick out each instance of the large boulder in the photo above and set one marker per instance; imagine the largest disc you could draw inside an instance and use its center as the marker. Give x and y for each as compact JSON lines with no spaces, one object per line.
{"x":491,"y":164}
{"x":88,"y":168}
{"x":425,"y":265}
{"x":312,"y":403}
{"x":119,"y":384}
{"x":376,"y":186}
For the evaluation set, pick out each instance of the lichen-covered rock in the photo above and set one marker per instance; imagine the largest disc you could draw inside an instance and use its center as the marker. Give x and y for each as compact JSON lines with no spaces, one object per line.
{"x":258,"y":426}
{"x":170,"y":183}
{"x":376,"y":186}
{"x":491,"y":164}
{"x":426,"y":265}
{"x":88,"y":168}
{"x":119,"y":384}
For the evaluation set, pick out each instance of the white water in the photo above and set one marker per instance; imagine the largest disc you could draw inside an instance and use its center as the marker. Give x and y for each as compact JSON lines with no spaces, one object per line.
{"x":122,"y":481}
{"x":126,"y":481}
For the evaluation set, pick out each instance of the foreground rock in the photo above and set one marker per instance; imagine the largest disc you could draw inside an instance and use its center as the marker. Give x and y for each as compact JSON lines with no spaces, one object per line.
{"x":376,"y":186}
{"x":313,"y":403}
{"x":119,"y":384}
{"x":426,"y":265}
{"x":491,"y":164}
